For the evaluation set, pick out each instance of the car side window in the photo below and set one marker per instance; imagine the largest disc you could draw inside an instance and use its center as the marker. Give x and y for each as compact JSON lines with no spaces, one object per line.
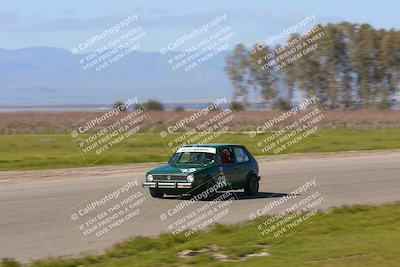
{"x":241,"y":155}
{"x":227,"y":156}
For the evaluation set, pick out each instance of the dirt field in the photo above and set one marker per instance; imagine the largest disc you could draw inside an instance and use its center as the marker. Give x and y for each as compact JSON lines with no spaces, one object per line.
{"x":61,"y":122}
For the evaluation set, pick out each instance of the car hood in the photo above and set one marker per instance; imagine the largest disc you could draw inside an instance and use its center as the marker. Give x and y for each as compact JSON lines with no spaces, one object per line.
{"x":177,"y":169}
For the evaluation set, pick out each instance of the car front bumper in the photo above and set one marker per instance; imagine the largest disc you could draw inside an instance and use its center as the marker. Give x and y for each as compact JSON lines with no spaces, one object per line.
{"x":167,"y":185}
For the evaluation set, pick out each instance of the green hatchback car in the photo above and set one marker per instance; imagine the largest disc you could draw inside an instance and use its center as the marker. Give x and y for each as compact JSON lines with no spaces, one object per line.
{"x":194,"y":169}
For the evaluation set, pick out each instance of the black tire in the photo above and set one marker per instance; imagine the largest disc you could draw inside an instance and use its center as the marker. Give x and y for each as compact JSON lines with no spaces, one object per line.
{"x":252,"y":186}
{"x":156,"y":194}
{"x":212,"y":194}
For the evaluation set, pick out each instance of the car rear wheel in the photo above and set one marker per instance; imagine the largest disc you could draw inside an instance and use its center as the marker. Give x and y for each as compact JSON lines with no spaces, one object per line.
{"x":155,"y":193}
{"x":252,"y":186}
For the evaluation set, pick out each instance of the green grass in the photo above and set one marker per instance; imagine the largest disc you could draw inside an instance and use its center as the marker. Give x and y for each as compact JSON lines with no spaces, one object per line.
{"x":59,"y":151}
{"x":347,"y":236}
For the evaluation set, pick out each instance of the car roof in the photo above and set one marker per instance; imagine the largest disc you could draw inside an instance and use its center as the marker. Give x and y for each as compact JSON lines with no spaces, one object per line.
{"x":211,"y":145}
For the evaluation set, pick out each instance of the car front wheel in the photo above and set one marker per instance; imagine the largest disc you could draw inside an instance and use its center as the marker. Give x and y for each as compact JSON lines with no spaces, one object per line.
{"x":209,"y":191}
{"x":252,"y":186}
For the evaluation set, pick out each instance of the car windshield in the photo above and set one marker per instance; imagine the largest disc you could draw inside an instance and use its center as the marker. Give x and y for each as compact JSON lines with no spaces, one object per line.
{"x":193,"y":158}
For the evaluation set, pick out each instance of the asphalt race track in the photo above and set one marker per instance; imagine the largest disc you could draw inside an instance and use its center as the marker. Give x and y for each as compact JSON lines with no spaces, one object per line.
{"x":36,"y":206}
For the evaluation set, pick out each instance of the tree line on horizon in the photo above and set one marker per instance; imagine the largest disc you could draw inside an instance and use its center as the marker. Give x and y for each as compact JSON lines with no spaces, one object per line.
{"x":357,"y":67}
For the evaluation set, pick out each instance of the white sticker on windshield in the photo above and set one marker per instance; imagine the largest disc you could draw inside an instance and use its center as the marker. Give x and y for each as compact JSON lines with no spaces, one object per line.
{"x":212,"y":150}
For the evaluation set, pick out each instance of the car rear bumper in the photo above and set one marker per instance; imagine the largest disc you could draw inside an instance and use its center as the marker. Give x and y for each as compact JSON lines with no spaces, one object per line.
{"x":167,"y":185}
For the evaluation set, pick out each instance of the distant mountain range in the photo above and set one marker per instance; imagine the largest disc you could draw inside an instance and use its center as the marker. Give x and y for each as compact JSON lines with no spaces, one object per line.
{"x":53,"y":76}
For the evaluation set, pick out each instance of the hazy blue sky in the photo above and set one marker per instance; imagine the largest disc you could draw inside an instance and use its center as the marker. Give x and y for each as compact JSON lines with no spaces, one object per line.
{"x":68,"y":23}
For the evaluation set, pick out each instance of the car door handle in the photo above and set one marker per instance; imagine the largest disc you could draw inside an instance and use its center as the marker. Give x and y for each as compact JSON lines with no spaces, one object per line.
{"x":236,"y":167}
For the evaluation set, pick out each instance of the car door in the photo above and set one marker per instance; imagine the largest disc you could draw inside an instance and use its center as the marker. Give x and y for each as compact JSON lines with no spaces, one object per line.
{"x":243,"y":163}
{"x":229,"y":166}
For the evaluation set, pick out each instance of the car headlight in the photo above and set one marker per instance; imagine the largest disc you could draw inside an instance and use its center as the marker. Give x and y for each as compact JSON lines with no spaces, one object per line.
{"x":190,"y":178}
{"x":149,"y":178}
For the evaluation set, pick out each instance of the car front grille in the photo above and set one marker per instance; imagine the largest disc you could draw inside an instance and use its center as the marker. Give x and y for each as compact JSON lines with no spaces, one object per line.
{"x":166,"y":177}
